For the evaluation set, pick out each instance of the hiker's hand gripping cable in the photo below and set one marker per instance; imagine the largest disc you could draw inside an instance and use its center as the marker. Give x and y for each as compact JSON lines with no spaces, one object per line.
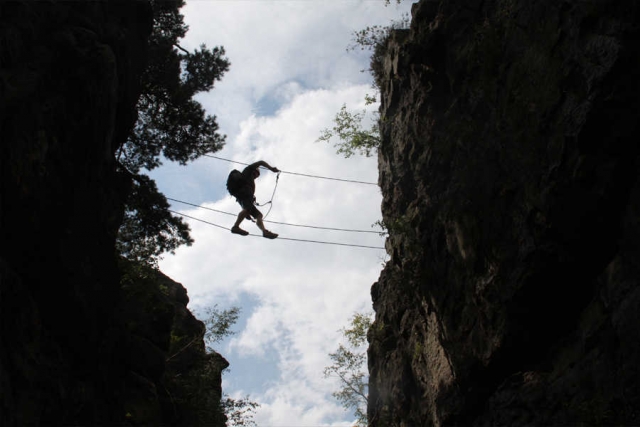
{"x":264,"y":165}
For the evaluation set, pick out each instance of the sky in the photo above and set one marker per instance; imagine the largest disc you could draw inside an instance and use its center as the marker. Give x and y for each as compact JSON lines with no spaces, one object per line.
{"x":290,"y":73}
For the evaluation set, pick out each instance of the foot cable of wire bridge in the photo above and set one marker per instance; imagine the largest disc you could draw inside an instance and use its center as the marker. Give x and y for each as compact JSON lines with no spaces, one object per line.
{"x":282,"y":238}
{"x":277,"y":222}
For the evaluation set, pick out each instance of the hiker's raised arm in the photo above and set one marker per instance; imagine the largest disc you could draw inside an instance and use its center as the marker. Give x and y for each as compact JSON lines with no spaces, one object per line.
{"x":265,"y":164}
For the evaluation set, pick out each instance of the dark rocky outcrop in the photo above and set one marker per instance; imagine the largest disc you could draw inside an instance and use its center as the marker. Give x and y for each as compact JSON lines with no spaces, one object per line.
{"x":509,"y":170}
{"x":169,"y":378}
{"x":84,"y":341}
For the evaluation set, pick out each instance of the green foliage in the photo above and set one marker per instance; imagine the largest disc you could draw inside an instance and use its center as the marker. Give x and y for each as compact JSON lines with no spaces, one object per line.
{"x":239,"y":412}
{"x":349,"y":364}
{"x":383,"y":227}
{"x":218,"y":324}
{"x":369,"y":37}
{"x":417,"y":351}
{"x":148,"y":228}
{"x":170,"y":124}
{"x":398,"y":225}
{"x":353,"y":138}
{"x":357,"y":334}
{"x":374,"y":38}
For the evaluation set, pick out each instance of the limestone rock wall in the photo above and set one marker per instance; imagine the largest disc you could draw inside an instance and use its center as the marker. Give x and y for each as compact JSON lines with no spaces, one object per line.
{"x":77,"y":347}
{"x":509,"y":172}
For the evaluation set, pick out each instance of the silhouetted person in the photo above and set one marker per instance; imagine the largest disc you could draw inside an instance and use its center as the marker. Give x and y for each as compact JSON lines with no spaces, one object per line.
{"x":246,"y":198}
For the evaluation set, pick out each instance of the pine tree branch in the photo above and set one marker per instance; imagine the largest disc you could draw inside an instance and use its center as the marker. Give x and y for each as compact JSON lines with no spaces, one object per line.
{"x":181,"y":48}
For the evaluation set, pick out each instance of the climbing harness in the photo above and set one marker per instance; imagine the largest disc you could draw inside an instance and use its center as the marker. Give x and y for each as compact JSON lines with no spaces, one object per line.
{"x":270,"y":202}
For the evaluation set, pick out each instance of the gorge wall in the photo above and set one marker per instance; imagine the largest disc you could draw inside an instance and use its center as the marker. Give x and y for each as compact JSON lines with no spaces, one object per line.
{"x":509,"y":172}
{"x":84,"y":340}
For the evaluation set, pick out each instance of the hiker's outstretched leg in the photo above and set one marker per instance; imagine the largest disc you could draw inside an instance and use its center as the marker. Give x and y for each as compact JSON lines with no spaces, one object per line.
{"x":266,"y":233}
{"x":241,"y":216}
{"x":236,"y":227}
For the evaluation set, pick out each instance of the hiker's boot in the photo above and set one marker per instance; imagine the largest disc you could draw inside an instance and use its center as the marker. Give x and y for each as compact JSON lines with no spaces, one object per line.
{"x":240,"y":231}
{"x":269,"y":235}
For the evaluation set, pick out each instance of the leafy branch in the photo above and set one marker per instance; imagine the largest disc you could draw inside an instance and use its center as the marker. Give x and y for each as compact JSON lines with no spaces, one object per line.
{"x":349,"y":365}
{"x":352,"y":137}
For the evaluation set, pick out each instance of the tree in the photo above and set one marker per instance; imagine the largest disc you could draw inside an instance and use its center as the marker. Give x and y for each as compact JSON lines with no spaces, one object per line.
{"x":375,"y":38}
{"x":353,"y":138}
{"x":218,"y":325}
{"x":148,"y":228}
{"x":171,"y":124}
{"x":239,"y":412}
{"x":349,"y":367}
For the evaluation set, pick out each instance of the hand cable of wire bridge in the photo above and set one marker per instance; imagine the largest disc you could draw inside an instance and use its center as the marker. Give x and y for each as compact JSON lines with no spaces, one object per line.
{"x":299,"y":174}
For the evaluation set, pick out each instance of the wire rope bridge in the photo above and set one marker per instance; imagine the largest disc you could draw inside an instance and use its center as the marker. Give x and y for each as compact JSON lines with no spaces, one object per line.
{"x":283,"y":223}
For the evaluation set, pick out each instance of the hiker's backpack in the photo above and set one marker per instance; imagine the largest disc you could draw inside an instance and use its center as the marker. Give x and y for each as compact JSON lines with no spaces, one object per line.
{"x":235,"y":182}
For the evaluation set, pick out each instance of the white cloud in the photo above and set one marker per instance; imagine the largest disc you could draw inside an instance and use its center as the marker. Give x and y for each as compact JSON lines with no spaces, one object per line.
{"x":305,"y":291}
{"x":290,"y":74}
{"x":272,"y":43}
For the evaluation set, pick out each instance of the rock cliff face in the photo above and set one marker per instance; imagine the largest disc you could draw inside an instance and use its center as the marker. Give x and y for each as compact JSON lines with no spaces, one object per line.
{"x":509,"y":169}
{"x":83,"y":341}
